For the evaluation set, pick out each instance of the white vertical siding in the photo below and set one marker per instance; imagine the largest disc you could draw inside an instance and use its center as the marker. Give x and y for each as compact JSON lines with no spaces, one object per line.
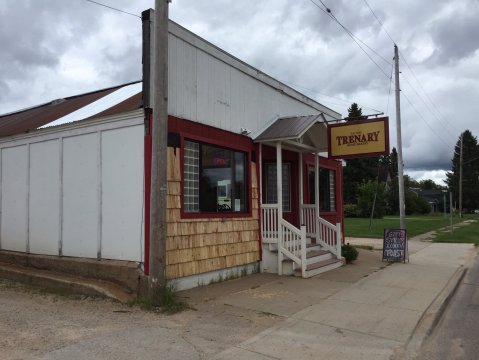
{"x":44,"y":197}
{"x":80,"y":215}
{"x":14,"y":166}
{"x":76,"y":192}
{"x":209,"y":86}
{"x":122,"y":193}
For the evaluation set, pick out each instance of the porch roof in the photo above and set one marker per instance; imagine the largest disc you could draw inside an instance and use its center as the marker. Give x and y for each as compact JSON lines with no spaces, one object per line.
{"x":308,"y":132}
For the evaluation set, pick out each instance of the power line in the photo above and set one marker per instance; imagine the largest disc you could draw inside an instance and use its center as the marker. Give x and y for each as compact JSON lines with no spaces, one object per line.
{"x":424,"y":91}
{"x":112,"y":8}
{"x":424,"y":119}
{"x":346,"y":101}
{"x":328,"y":12}
{"x":413,"y":74}
{"x":390,"y":87}
{"x":427,"y":105}
{"x":380,"y":22}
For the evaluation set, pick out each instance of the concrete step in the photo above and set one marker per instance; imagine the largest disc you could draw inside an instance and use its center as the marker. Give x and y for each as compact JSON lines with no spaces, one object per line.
{"x":51,"y":280}
{"x":320,"y":267}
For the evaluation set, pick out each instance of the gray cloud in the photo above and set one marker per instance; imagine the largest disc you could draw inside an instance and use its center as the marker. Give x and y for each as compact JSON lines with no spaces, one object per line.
{"x":456,"y":37}
{"x":69,"y":47}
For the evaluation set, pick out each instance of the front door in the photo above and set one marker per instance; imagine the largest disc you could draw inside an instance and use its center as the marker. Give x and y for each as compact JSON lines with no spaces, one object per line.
{"x":290,"y":186}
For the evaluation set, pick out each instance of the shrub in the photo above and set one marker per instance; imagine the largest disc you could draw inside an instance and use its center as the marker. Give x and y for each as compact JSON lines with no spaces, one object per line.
{"x":349,"y":252}
{"x":350,"y":210}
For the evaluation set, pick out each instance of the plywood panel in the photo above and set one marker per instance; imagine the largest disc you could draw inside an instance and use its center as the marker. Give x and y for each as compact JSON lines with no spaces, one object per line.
{"x":44,"y":197}
{"x":122,"y":193}
{"x":14,"y":217}
{"x":80,"y":195}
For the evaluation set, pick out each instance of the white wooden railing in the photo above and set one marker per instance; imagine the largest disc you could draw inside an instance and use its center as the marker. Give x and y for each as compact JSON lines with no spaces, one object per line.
{"x":308,"y":212}
{"x":326,"y":234}
{"x":329,"y":236}
{"x":269,"y":223}
{"x":291,"y":240}
{"x":292,"y":244}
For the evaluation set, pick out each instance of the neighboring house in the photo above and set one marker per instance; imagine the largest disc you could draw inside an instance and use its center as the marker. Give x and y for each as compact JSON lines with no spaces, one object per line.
{"x":245,"y":180}
{"x":435,"y":198}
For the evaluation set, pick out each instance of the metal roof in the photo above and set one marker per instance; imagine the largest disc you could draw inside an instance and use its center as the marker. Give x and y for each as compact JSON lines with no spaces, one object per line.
{"x":30,"y":119}
{"x":289,"y":128}
{"x":310,"y":130}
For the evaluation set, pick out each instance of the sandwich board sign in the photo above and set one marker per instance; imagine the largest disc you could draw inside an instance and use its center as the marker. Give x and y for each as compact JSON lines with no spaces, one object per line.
{"x":395,"y":245}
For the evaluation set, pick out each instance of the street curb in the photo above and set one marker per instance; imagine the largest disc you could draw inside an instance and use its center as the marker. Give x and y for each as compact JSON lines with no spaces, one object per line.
{"x":430,"y":318}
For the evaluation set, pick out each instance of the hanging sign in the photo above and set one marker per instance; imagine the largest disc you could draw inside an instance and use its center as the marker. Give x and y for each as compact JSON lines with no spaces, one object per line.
{"x":355,"y":139}
{"x":395,"y":245}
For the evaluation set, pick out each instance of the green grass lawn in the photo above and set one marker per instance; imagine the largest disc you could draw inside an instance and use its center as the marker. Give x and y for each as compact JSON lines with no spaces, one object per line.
{"x":461,"y":234}
{"x":415,"y":224}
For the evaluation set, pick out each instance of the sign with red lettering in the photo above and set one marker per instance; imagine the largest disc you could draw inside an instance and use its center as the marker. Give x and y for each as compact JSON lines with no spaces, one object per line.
{"x":354,"y":139}
{"x":395,"y":245}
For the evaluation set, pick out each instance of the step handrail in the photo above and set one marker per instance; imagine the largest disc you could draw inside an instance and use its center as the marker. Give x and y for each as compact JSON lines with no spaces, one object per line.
{"x":292,"y":244}
{"x":329,"y":236}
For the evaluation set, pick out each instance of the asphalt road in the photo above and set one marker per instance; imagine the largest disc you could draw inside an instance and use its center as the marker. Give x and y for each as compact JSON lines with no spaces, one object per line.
{"x":456,"y":335}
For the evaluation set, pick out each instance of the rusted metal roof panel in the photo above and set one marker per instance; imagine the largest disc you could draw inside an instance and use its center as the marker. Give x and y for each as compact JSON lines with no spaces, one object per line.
{"x":289,"y":127}
{"x":30,"y":119}
{"x":130,"y":104}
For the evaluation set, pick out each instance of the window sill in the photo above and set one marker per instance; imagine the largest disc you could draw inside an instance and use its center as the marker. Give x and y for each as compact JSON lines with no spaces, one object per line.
{"x":216,"y":215}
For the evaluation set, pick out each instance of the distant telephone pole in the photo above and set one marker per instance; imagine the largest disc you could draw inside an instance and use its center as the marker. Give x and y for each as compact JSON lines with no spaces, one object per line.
{"x":159,"y":133}
{"x":460,"y":178}
{"x":402,"y":205}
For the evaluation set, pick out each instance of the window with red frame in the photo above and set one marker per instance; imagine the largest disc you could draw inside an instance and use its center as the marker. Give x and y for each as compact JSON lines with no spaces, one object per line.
{"x":214,"y":179}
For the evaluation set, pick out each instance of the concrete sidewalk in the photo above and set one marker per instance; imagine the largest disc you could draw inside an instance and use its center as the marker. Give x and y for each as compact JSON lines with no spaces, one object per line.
{"x":384,"y":315}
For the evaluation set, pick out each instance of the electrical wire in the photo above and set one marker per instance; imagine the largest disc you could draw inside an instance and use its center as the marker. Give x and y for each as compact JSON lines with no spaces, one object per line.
{"x":328,"y":12}
{"x":403,"y":59}
{"x":379,"y":21}
{"x":390,"y":88}
{"x":113,"y":8}
{"x":424,"y":119}
{"x":434,"y":106}
{"x":346,"y":101}
{"x":427,"y":105}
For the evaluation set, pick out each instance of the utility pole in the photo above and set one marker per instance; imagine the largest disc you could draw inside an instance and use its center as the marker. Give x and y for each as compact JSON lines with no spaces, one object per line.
{"x":450,"y":211}
{"x":402,"y":206}
{"x":159,"y":131}
{"x":444,"y":192}
{"x":460,"y":178}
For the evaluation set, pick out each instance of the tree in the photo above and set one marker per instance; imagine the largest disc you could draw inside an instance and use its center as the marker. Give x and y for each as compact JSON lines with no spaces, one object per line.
{"x":355,"y":113}
{"x":357,"y":170}
{"x":429,"y":184}
{"x":367,"y":191}
{"x":470,"y":171}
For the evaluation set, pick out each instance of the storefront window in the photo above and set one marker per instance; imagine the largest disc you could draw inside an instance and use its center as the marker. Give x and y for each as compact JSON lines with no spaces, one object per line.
{"x":327,"y":189}
{"x":215,"y":179}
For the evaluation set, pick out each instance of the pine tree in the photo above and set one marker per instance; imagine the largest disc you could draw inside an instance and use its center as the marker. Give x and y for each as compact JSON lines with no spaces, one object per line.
{"x":470,"y":171}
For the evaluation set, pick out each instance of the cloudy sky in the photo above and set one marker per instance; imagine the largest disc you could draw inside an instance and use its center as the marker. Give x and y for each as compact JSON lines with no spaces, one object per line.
{"x":57,"y":48}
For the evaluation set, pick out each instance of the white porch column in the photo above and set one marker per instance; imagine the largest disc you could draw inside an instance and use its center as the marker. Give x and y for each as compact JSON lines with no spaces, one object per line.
{"x":279,"y":185}
{"x":316,"y":193}
{"x":301,"y":190}
{"x":260,"y":184}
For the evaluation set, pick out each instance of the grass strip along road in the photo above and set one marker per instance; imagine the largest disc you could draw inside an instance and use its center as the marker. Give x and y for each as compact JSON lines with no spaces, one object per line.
{"x":467,"y":232}
{"x":416,"y":224}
